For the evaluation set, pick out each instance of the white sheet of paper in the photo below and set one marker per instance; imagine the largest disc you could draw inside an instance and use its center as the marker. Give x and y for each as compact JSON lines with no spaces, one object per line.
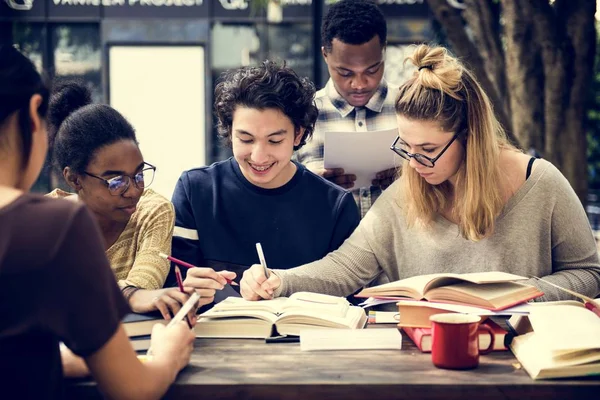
{"x":350,"y":339}
{"x":363,"y":154}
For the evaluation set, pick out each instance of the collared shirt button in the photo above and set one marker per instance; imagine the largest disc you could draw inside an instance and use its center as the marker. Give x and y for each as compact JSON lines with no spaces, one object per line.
{"x":360,"y":123}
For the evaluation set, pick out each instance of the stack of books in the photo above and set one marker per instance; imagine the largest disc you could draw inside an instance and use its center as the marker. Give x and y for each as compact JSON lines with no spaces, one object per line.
{"x":483,"y":293}
{"x":139,"y":327}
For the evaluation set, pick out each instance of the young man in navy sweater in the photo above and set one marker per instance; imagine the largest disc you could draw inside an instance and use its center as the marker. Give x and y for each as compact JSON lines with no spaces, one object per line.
{"x":264,"y":113}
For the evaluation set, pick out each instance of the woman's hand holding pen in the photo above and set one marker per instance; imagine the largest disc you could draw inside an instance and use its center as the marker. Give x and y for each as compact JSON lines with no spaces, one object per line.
{"x":206,"y":282}
{"x":256,"y":286}
{"x":167,"y":301}
{"x":173,"y":343}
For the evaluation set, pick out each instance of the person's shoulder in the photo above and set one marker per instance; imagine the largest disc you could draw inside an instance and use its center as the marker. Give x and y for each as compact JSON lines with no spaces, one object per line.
{"x":201,"y":174}
{"x":322,"y":99}
{"x":41,"y":223}
{"x":61,"y":194}
{"x":39,"y":207}
{"x":549,"y":178}
{"x":152,"y":202}
{"x":391,"y":198}
{"x":318,"y":183}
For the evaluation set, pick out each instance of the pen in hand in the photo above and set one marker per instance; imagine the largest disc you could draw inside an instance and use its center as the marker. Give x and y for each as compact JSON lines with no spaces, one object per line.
{"x":188,"y":265}
{"x":261,"y":257}
{"x":180,"y":284}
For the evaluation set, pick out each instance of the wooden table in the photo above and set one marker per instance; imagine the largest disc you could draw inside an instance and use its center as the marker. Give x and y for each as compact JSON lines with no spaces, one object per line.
{"x":252,"y":369}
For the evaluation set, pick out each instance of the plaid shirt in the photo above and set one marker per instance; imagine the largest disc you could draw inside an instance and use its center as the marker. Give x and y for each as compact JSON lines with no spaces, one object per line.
{"x":337,"y":115}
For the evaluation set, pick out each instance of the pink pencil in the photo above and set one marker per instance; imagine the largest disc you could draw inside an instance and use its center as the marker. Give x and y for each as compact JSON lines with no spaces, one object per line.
{"x":188,"y":265}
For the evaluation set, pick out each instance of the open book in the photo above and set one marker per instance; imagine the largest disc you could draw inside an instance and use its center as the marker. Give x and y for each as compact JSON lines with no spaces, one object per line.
{"x":492,"y":290}
{"x":565,"y":342}
{"x":235,"y":317}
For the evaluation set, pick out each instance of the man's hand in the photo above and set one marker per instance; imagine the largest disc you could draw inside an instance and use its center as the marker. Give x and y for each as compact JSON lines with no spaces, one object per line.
{"x":337,"y":176}
{"x":206,"y":281}
{"x":385,"y":178}
{"x":256,"y":286}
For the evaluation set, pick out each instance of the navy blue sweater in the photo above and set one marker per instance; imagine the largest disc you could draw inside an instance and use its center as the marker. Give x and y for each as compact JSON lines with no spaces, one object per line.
{"x":220,"y":216}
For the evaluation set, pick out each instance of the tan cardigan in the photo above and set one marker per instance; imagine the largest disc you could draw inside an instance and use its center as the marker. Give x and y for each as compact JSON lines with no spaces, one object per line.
{"x":134,"y":256}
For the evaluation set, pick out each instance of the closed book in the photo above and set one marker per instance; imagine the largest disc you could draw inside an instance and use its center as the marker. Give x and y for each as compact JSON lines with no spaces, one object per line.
{"x":140,"y":343}
{"x":141,"y":324}
{"x":415,"y":314}
{"x":492,"y":290}
{"x":235,"y":317}
{"x":422,"y":337}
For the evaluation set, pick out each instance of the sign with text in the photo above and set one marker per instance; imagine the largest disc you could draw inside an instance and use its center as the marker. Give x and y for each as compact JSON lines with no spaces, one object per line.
{"x":22,"y":9}
{"x":75,"y":9}
{"x":155,"y":8}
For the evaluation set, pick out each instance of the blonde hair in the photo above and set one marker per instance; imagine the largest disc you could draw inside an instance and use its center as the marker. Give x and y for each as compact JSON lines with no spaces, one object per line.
{"x":444,"y":91}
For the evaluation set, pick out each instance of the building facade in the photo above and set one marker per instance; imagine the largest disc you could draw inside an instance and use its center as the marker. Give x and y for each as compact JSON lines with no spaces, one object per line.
{"x":156,"y":61}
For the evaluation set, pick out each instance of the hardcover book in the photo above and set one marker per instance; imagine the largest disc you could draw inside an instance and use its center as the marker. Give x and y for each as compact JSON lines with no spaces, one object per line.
{"x":238,"y":318}
{"x":491,"y":290}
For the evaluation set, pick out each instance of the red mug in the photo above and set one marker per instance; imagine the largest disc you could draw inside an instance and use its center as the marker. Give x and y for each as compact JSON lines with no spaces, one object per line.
{"x":455,"y":340}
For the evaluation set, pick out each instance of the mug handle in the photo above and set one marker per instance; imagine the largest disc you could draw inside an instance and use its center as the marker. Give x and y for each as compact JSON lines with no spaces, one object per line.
{"x":492,"y":338}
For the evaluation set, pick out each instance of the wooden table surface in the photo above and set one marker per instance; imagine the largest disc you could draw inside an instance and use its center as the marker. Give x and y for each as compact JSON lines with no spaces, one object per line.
{"x":252,"y":369}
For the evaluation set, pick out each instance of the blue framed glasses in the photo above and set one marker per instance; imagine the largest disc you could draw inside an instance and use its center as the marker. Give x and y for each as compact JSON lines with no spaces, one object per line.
{"x":119,"y":184}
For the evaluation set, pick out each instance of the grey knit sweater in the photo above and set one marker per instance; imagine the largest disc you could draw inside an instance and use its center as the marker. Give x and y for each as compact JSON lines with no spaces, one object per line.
{"x":542,"y":231}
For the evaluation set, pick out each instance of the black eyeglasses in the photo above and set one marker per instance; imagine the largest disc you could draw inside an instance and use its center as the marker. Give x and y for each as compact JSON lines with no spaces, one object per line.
{"x":119,"y":184}
{"x":420,"y":158}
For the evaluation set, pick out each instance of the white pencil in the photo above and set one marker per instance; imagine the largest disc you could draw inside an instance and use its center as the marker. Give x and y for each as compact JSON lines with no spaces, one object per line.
{"x":261,"y":257}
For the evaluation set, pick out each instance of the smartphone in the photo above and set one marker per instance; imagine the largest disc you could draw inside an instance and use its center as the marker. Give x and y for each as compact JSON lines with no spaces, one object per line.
{"x":185,"y":309}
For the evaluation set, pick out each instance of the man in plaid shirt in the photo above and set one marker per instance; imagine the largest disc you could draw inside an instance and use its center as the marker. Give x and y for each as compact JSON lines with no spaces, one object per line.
{"x":356,"y":97}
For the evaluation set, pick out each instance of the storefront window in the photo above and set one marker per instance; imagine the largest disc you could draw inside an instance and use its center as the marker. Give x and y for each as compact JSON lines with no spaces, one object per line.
{"x":77,"y":55}
{"x":30,"y":39}
{"x":293,"y":43}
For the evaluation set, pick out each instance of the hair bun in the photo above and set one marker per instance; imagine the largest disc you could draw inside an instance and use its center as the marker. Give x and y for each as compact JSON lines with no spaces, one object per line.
{"x":444,"y":72}
{"x":67,"y":97}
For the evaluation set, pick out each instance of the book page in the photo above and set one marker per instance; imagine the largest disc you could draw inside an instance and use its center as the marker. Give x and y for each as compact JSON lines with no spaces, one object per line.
{"x":417,"y":287}
{"x":490,"y":295}
{"x":563,"y":327}
{"x":238,"y":315}
{"x":473,"y":277}
{"x":291,"y":323}
{"x":321,"y":304}
{"x":239,"y":304}
{"x":363,"y":154}
{"x":410,"y":287}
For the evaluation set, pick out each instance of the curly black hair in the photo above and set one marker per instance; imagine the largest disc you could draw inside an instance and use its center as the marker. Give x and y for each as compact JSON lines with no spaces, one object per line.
{"x":353,"y":22}
{"x":78,"y":128}
{"x":19,"y":80}
{"x":269,"y":85}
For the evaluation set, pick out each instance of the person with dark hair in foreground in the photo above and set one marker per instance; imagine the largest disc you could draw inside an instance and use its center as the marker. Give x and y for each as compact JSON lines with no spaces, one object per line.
{"x":96,"y":150}
{"x":55,"y":281}
{"x":259,"y":195}
{"x":356,"y":98}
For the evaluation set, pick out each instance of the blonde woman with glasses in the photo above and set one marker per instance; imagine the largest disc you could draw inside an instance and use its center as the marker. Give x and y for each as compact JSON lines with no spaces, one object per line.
{"x":466,"y":201}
